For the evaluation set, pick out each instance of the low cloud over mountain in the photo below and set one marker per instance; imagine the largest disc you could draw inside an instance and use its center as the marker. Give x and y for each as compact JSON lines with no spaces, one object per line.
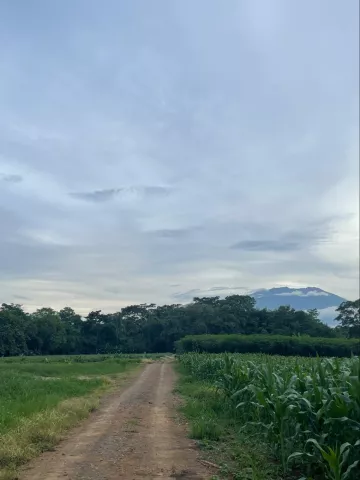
{"x":300,"y":299}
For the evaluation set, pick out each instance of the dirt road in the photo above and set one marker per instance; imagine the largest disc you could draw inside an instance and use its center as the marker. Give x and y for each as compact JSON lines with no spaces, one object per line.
{"x":133,"y":435}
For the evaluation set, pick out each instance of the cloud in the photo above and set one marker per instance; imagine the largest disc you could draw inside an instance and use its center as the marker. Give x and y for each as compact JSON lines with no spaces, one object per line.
{"x":110,"y":193}
{"x":316,"y":293}
{"x":113,"y":290}
{"x":328,"y":315}
{"x":185,"y":233}
{"x":155,"y":190}
{"x":131,"y":163}
{"x":213,"y":291}
{"x":21,"y":297}
{"x":313,"y":232}
{"x":300,"y":293}
{"x":223,"y":289}
{"x":172,"y":233}
{"x":264,"y":245}
{"x":188,"y":295}
{"x":11,"y":178}
{"x":97,"y":195}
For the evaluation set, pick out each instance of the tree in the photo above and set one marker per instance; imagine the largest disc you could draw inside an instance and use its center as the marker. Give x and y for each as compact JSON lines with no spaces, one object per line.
{"x":12,"y":330}
{"x":90,"y":332}
{"x":151,"y":328}
{"x":349,"y":317}
{"x":73,"y":324}
{"x":213,"y":301}
{"x":50,"y":332}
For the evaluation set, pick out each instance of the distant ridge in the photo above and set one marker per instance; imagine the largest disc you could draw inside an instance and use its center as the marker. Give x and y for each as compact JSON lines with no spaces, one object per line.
{"x":301,"y":299}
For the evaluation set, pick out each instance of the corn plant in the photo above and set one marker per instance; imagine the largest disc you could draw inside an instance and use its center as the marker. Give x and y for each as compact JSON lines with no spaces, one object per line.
{"x":334,"y":460}
{"x":295,"y":403}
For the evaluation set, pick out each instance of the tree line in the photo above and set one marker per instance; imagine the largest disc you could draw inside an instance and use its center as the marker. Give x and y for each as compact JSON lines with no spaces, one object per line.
{"x":151,"y":328}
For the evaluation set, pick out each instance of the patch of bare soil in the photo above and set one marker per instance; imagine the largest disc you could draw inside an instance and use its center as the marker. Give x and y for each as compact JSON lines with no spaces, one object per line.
{"x":133,"y":435}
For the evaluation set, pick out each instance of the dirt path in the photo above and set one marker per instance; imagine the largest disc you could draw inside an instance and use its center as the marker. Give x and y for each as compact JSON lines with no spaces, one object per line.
{"x":134,"y":435}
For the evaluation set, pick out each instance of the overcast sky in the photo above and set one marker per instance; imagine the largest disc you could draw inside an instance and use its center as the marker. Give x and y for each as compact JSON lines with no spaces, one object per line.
{"x":153,"y":149}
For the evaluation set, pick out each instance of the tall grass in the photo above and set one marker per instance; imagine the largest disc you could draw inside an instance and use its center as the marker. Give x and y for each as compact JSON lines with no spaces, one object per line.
{"x":40,"y":400}
{"x":307,"y":409}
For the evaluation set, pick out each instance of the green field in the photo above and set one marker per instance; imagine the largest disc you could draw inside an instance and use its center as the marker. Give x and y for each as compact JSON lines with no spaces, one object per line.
{"x":259,"y":417}
{"x":273,"y":417}
{"x":79,"y":358}
{"x":42,"y":397}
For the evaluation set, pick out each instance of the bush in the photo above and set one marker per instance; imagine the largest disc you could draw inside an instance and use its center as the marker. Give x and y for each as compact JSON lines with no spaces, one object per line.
{"x":271,"y":344}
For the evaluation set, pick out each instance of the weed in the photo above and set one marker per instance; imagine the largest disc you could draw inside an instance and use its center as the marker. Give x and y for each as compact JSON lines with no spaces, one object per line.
{"x":205,"y":427}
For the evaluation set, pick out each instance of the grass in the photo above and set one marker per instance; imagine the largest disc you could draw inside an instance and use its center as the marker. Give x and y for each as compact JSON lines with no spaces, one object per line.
{"x":68,"y":369}
{"x":91,"y":358}
{"x":218,"y":432}
{"x":39,"y":401}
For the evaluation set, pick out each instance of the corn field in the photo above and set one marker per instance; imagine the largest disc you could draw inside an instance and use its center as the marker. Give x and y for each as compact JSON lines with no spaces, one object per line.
{"x":306,"y":409}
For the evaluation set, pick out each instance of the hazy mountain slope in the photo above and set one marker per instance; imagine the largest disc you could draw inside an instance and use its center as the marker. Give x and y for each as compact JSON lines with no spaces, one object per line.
{"x":298,"y":298}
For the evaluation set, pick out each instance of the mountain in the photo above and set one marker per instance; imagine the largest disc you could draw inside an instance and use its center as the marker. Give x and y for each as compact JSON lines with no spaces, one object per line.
{"x":300,"y":299}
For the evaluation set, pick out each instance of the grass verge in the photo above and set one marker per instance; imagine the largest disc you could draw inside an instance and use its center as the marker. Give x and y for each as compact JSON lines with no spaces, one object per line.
{"x":219,"y":433}
{"x":36,"y":410}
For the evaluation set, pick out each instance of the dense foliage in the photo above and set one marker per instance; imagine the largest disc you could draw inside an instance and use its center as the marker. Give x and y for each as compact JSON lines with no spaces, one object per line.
{"x":271,"y":344}
{"x":306,"y":409}
{"x":146,"y":327}
{"x":349,"y":318}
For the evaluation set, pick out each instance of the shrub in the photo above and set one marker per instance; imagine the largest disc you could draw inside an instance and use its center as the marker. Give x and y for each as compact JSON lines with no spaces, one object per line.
{"x":270,"y":344}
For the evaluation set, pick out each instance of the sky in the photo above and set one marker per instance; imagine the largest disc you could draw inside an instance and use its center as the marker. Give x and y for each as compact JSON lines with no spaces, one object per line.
{"x":153,"y":150}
